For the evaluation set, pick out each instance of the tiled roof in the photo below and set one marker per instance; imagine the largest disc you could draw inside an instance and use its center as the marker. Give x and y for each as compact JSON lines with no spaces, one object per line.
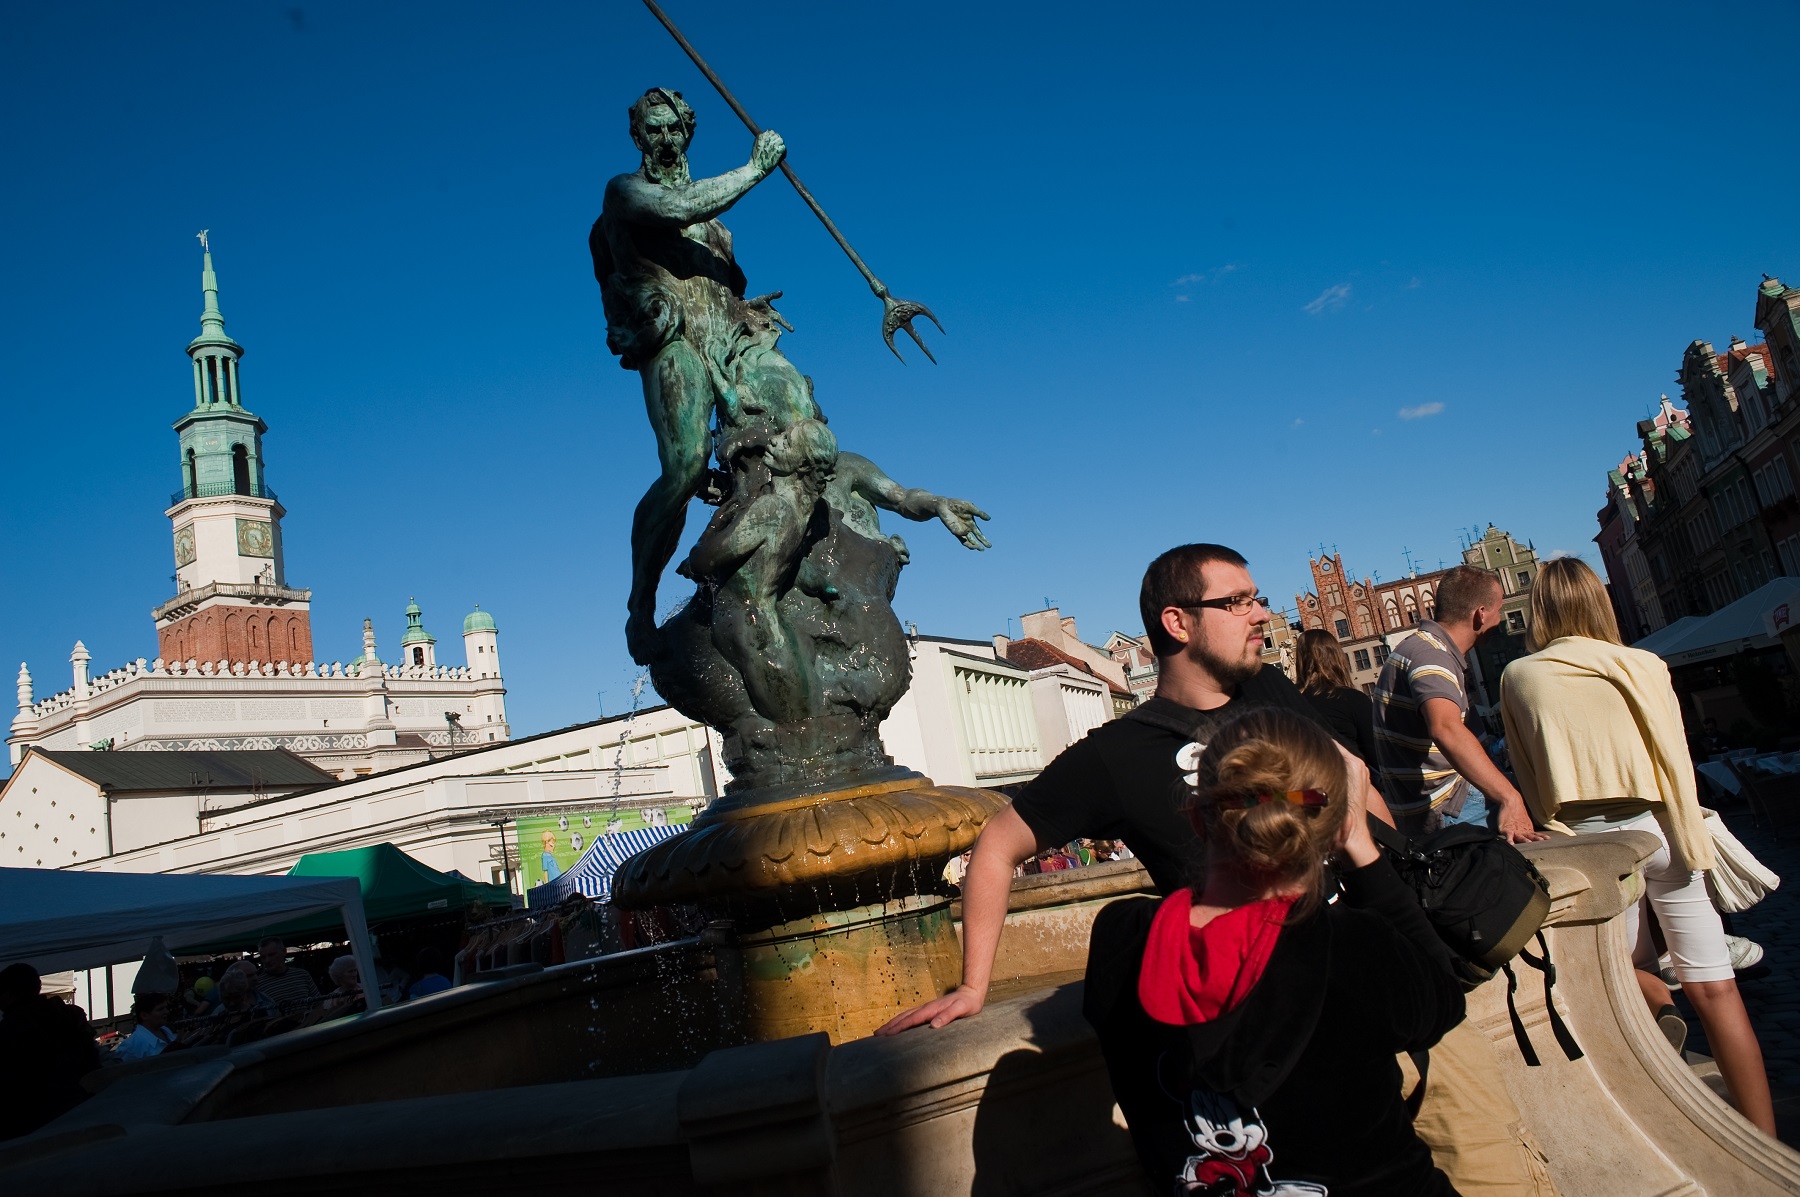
{"x":140,"y":772}
{"x":1031,"y":653}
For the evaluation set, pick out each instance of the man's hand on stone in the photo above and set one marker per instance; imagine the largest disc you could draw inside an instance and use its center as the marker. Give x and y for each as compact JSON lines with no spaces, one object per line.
{"x":941,"y":1012}
{"x":768,"y":152}
{"x":1516,"y":826}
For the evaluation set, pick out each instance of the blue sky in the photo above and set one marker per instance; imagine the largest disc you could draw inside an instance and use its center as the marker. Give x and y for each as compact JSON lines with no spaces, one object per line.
{"x":1194,"y":261}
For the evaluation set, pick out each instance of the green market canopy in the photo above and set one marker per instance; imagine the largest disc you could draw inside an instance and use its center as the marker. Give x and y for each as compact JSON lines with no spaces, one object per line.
{"x":395,"y":886}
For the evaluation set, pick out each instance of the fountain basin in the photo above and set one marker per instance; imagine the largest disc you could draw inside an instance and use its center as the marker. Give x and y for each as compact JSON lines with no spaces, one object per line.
{"x":1014,"y":1100}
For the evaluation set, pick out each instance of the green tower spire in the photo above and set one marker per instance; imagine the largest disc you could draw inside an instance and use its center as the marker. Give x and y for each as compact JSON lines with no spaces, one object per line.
{"x":415,"y":627}
{"x":221,"y":440}
{"x":212,"y":320}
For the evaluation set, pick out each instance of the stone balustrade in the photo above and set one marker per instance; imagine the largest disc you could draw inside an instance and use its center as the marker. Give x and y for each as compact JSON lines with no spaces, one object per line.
{"x":159,"y":668}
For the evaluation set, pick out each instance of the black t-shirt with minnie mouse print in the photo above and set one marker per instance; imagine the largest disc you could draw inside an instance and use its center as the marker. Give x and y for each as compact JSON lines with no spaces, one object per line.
{"x":1125,"y":779}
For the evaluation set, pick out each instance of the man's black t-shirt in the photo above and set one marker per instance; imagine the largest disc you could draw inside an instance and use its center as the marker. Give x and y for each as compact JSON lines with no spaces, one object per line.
{"x":1125,"y":779}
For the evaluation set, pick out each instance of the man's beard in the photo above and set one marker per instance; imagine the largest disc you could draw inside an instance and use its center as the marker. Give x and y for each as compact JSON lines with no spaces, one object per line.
{"x":1228,"y":671}
{"x":667,"y":174}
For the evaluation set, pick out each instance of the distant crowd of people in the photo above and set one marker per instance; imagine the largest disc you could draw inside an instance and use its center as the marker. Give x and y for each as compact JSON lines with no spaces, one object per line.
{"x":1265,"y":1021}
{"x":47,"y":1045}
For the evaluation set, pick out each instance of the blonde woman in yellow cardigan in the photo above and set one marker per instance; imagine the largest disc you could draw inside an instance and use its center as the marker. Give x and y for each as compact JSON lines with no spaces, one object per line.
{"x":1595,"y":733}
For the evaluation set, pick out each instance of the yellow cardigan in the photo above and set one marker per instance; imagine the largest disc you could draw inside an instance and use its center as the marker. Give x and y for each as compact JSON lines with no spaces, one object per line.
{"x":1589,"y":721}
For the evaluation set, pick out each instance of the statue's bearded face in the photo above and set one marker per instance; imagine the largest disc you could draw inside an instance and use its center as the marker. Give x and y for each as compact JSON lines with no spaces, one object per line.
{"x":662,"y":139}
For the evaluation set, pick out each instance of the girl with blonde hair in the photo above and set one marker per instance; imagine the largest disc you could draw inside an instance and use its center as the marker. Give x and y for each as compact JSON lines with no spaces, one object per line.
{"x":1595,"y":733}
{"x":1250,"y":1029}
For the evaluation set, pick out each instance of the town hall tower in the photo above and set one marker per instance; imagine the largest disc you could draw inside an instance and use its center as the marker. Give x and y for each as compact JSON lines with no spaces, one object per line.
{"x":232,"y":601}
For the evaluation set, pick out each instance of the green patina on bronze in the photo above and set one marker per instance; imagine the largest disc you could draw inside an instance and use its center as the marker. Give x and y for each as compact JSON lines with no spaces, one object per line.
{"x":789,"y":646}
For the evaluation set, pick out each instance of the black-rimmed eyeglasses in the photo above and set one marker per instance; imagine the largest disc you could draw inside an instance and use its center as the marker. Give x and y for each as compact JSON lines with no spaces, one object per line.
{"x":1231,"y":604}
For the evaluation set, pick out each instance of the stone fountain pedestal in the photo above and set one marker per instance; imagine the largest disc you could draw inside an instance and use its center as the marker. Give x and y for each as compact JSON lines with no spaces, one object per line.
{"x":834,"y":893}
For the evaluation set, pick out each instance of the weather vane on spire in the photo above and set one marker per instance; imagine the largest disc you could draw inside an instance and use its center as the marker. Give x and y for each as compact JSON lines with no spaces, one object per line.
{"x":204,"y":247}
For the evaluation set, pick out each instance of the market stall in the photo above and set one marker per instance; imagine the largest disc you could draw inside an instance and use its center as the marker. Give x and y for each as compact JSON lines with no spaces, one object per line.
{"x":63,"y":919}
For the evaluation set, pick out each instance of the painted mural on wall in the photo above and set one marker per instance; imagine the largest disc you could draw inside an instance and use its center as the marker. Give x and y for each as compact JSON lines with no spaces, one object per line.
{"x":548,"y":844}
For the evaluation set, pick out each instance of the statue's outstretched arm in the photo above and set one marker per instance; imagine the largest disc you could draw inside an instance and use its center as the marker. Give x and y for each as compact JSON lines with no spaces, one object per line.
{"x":958,"y":515}
{"x":639,"y":201}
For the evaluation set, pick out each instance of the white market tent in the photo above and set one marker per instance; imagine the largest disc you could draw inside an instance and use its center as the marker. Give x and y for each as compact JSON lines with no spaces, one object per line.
{"x":56,"y":919}
{"x":1672,"y":633}
{"x":1752,"y":622}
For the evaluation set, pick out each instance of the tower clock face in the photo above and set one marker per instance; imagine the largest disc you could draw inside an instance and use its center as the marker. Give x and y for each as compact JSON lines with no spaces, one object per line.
{"x":255,"y":539}
{"x":184,"y":546}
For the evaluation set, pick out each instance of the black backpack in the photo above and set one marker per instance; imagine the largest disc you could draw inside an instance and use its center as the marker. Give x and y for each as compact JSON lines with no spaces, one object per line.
{"x":1486,"y":901}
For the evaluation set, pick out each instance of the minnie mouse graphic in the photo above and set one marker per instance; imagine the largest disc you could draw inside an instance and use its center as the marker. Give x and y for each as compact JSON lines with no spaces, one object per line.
{"x":1233,"y":1153}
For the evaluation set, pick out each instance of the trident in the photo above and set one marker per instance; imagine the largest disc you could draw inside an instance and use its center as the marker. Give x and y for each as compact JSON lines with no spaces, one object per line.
{"x":897,"y":314}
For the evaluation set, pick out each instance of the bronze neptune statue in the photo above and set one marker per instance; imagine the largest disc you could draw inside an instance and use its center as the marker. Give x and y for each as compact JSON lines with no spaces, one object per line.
{"x":789,"y":645}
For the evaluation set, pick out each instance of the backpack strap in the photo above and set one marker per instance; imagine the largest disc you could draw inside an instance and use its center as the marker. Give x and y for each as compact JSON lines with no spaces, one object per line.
{"x":1564,"y":1038}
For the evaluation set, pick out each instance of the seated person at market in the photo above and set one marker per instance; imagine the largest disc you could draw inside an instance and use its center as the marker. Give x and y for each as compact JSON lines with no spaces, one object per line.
{"x":201,"y":998}
{"x":1249,"y":1028}
{"x":346,"y":996}
{"x":152,"y":1035}
{"x":239,"y":998}
{"x":292,"y":989}
{"x":431,"y":973}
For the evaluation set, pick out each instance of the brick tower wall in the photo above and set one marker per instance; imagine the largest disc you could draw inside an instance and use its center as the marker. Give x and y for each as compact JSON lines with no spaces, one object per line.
{"x":238,"y":634}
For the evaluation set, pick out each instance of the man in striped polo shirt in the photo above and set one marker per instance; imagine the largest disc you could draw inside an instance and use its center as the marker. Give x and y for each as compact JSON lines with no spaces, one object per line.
{"x":1434,"y":771}
{"x":291,"y":989}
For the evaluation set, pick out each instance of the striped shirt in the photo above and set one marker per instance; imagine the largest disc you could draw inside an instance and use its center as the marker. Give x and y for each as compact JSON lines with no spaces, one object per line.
{"x":1417,"y":779}
{"x":292,"y":991}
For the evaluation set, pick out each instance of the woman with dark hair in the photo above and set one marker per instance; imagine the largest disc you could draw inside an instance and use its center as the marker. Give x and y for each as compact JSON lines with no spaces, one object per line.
{"x":1250,"y":1028}
{"x":1324,"y":677}
{"x":1595,"y":733}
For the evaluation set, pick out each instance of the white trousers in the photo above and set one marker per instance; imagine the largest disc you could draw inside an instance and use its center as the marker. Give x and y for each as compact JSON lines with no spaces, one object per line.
{"x":1690,"y":924}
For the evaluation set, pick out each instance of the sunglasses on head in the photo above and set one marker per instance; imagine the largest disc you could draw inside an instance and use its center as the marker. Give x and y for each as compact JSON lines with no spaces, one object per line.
{"x":1310,"y":799}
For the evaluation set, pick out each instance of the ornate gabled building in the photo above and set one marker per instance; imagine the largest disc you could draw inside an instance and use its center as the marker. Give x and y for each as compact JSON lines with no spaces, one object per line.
{"x":1370,"y":618}
{"x":1631,"y":587}
{"x":235,"y":665}
{"x":1711,"y":503}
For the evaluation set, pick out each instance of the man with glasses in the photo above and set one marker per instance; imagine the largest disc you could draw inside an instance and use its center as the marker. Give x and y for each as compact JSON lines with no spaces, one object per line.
{"x":1127,"y":780}
{"x":1123,"y":781}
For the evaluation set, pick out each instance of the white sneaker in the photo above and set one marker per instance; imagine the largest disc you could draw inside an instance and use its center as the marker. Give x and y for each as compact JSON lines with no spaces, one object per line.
{"x":1745,"y":953}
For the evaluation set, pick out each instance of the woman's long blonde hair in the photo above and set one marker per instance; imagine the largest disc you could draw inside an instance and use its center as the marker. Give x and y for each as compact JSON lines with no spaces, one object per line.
{"x":1274,"y":845}
{"x":1568,"y":599}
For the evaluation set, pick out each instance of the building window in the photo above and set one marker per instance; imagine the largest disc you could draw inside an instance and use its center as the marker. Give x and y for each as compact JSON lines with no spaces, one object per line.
{"x":1515,"y":621}
{"x":1524,"y":578}
{"x":1343,"y":629}
{"x":1381,"y":654}
{"x":1362,"y":660}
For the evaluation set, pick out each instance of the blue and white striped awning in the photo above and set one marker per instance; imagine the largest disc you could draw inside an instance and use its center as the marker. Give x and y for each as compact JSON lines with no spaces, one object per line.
{"x":592,"y":874}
